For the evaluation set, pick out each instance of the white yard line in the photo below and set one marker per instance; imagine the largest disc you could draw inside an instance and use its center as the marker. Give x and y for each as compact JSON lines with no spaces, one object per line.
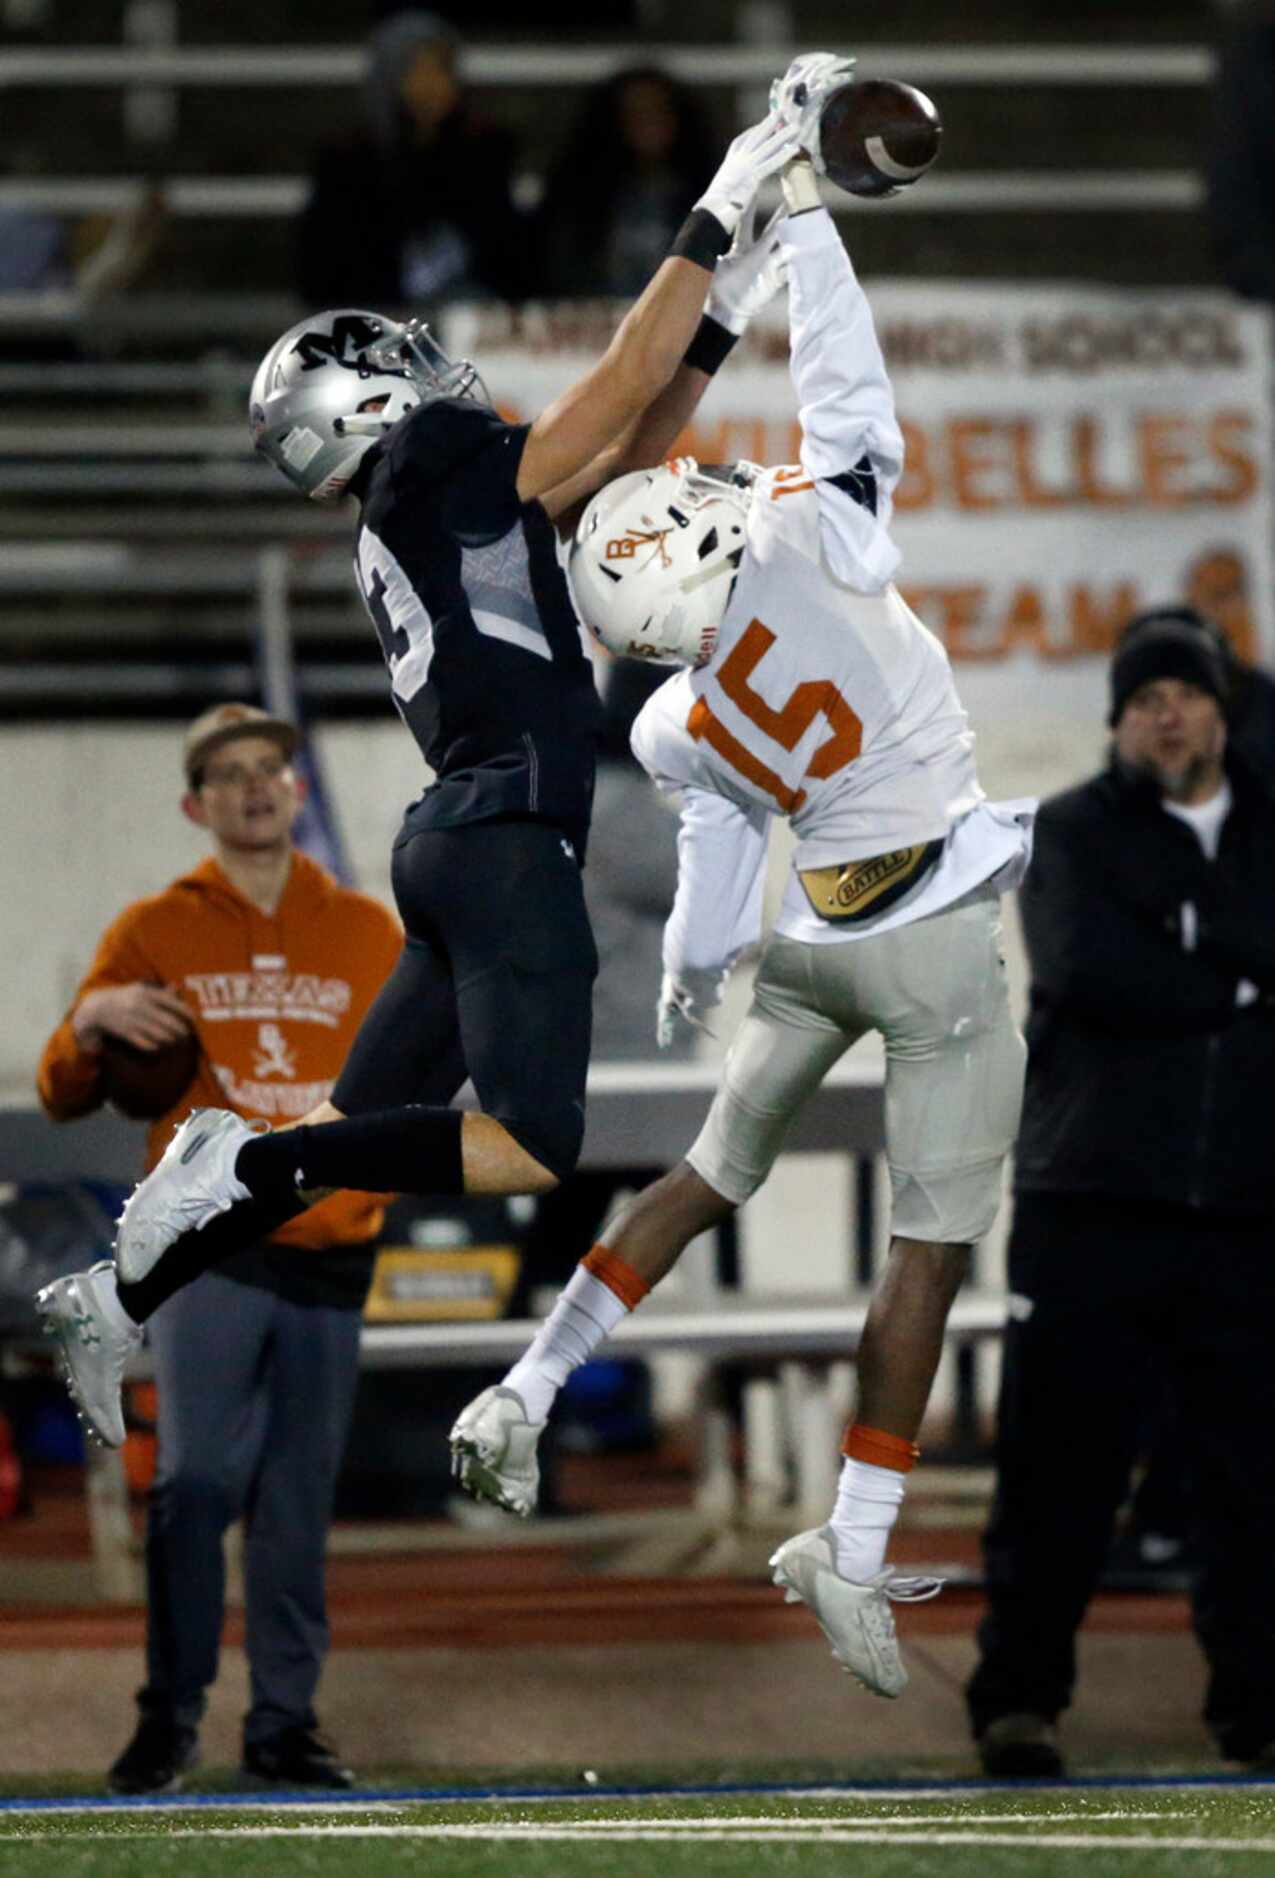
{"x":792,"y":1835}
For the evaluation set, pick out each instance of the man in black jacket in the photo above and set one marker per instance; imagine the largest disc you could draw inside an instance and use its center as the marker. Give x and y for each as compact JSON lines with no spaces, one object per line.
{"x":417,"y":207}
{"x":1145,"y":1199}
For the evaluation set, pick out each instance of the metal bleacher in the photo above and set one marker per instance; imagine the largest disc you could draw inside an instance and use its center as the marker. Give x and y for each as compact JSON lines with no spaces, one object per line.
{"x":132,"y":515}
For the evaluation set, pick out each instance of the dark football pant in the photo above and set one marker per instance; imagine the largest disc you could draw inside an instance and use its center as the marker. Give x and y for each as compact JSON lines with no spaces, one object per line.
{"x":1122,"y":1297}
{"x":495,"y":982}
{"x":255,"y":1395}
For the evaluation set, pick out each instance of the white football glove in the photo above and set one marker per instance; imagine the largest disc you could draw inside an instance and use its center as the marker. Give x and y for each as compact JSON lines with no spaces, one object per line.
{"x":748,"y":278}
{"x":687,"y":997}
{"x":755,"y":154}
{"x":800,"y":95}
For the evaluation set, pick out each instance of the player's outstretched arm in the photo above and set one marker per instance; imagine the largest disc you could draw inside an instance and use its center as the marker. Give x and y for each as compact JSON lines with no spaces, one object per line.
{"x":851,"y":444}
{"x":744,"y":281}
{"x":569,"y":437}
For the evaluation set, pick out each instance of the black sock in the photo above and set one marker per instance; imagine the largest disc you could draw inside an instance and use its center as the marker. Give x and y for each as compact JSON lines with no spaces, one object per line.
{"x":195,"y":1252}
{"x":405,"y":1150}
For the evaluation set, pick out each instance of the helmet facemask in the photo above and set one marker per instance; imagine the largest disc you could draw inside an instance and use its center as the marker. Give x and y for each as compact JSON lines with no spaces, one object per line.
{"x":413,"y":350}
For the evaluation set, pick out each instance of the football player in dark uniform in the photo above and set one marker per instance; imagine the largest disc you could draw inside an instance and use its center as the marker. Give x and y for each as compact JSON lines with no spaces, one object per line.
{"x":456,"y":556}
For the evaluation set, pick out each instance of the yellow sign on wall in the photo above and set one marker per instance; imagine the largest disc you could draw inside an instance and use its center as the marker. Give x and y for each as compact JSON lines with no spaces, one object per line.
{"x":462,"y":1284}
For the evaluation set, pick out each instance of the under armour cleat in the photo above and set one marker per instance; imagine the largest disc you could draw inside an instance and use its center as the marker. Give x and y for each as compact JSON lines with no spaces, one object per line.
{"x":856,"y":1619}
{"x":494,"y":1451}
{"x":194,"y":1183}
{"x":96,"y":1337}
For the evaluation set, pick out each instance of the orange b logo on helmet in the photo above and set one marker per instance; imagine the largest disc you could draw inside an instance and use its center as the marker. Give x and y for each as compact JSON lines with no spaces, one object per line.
{"x":621,"y":549}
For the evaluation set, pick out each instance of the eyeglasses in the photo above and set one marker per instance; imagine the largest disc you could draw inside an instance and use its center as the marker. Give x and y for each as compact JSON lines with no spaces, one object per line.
{"x":239,"y":775}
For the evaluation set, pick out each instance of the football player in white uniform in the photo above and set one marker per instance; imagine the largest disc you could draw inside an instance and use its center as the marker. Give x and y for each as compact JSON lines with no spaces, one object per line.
{"x":813,"y":693}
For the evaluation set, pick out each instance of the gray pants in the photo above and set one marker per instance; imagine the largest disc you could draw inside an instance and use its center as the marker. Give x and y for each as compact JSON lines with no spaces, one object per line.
{"x":255,"y":1395}
{"x":936,"y":991}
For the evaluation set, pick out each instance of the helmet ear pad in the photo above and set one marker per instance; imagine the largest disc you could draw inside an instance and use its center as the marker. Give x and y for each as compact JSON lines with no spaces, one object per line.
{"x":653,"y":562}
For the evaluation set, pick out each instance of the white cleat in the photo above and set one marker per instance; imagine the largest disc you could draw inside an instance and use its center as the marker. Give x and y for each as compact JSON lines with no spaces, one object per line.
{"x":494,"y":1451}
{"x":856,"y":1619}
{"x":193,"y":1183}
{"x":96,"y":1337}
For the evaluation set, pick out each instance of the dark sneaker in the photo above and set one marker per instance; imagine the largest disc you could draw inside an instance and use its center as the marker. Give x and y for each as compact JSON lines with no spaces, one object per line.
{"x":156,"y":1760}
{"x":296,"y":1757}
{"x":1021,"y":1747}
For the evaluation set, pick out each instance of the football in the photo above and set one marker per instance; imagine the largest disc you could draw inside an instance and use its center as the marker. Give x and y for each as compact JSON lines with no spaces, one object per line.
{"x":145,"y":1084}
{"x":876,"y":136}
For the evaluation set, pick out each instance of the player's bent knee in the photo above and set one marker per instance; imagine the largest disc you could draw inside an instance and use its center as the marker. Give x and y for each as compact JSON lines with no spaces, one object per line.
{"x":541,"y":1179}
{"x":502,"y":1155}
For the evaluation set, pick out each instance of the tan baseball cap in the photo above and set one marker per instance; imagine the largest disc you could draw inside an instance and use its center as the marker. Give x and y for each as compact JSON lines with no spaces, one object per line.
{"x":221,"y":723}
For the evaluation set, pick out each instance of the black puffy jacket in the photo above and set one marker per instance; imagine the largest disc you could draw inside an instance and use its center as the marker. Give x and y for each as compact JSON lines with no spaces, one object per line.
{"x":1144,"y":1077}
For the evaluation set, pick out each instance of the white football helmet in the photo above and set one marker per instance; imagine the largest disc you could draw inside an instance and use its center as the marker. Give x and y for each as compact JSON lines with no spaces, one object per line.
{"x":655,"y":556}
{"x":336,"y":382}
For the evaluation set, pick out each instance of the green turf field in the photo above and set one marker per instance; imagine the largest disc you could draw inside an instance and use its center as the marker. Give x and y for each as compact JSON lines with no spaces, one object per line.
{"x":1062,"y":1832}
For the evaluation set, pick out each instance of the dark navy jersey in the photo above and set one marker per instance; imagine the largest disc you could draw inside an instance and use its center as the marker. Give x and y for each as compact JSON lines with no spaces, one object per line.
{"x":470,"y":603}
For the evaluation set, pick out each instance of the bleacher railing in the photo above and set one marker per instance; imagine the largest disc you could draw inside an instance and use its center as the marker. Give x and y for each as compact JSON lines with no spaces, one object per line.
{"x":738,"y":66}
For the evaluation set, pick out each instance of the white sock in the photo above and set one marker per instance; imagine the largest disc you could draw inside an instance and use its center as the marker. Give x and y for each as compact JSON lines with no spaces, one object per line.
{"x":109,"y":1300}
{"x":586,"y":1313}
{"x":868,"y":1502}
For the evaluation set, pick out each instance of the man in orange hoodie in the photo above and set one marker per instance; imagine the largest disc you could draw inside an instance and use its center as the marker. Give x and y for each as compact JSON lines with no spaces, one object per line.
{"x":272,"y":965}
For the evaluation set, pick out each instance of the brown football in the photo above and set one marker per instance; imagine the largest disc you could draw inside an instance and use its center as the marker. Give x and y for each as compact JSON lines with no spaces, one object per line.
{"x":145,"y":1084}
{"x":876,"y":136}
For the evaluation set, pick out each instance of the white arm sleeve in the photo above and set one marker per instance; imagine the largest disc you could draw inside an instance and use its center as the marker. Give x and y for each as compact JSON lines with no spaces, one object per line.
{"x":717,"y":910}
{"x":847,"y":406}
{"x":721,"y":846}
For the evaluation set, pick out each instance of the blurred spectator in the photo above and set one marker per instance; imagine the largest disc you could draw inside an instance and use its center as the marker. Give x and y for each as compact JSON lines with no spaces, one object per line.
{"x":1240,"y":180}
{"x":48,"y":257}
{"x":1145,"y":1198}
{"x":630,"y":878}
{"x":417,"y":207}
{"x":33,"y":252}
{"x":629,"y":883}
{"x":256,"y":1363}
{"x":631,"y":168}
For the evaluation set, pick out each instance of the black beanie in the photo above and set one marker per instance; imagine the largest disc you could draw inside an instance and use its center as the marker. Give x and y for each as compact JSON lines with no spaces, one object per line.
{"x":1169,"y":642}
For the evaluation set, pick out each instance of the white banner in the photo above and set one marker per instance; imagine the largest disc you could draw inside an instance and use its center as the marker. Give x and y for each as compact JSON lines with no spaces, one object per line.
{"x":1073,"y":454}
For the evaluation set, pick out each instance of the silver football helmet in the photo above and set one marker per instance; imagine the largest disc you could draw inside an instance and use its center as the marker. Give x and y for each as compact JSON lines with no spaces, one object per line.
{"x":655,"y":556}
{"x":336,"y":382}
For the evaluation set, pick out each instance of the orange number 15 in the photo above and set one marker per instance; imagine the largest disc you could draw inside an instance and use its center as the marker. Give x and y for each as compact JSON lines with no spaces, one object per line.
{"x":787,"y":725}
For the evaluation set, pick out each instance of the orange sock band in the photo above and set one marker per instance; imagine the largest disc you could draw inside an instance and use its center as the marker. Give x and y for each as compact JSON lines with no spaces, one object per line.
{"x":612,"y":1271}
{"x":880,"y":1449}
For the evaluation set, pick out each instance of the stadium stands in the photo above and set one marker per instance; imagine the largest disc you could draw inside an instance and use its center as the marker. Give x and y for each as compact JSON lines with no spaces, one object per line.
{"x":1071,"y":152}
